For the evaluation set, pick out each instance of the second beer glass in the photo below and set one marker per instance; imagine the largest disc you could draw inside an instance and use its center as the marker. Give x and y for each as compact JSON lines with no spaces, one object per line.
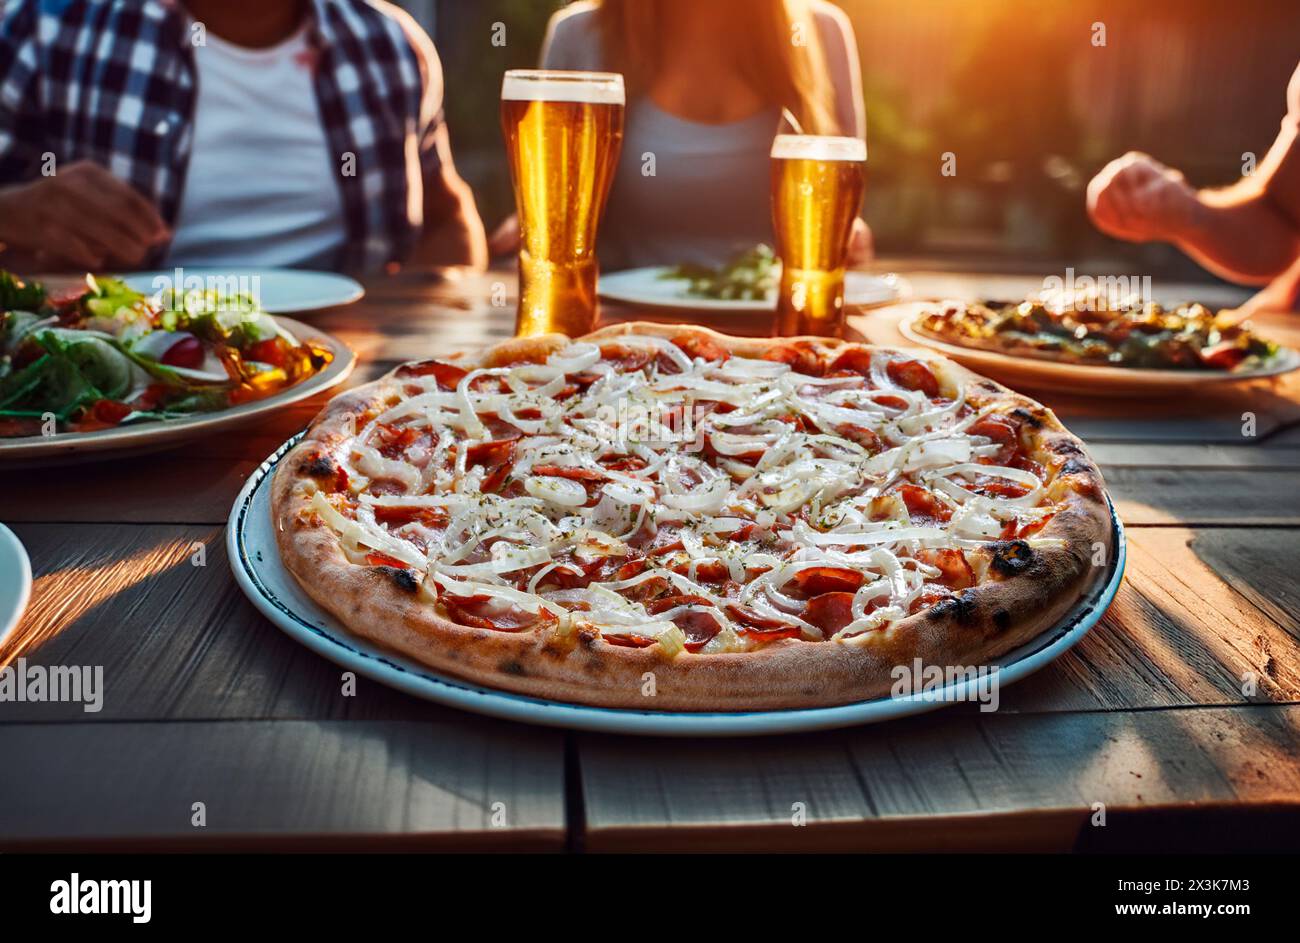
{"x":817,"y":186}
{"x":563,"y":132}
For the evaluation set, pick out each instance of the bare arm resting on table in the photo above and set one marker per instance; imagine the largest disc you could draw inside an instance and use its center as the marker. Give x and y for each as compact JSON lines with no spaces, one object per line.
{"x":1248,"y":232}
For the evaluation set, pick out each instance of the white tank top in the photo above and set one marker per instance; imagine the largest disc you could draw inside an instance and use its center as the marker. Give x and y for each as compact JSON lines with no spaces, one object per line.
{"x":262,"y":187}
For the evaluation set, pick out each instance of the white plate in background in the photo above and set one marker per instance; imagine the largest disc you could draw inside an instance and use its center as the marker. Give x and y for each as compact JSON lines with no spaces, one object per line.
{"x":277,"y":290}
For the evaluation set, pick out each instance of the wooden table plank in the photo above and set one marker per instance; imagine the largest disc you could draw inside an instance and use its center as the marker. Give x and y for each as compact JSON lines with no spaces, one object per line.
{"x":178,"y":641}
{"x":952,"y":781}
{"x":1201,"y":613}
{"x":415,"y":785}
{"x":1199,"y":609}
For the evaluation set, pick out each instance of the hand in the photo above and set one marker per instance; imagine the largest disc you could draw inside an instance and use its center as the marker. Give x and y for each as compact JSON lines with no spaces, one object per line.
{"x":82,"y":217}
{"x":505,"y":238}
{"x":862,"y":248}
{"x":1137,"y":198}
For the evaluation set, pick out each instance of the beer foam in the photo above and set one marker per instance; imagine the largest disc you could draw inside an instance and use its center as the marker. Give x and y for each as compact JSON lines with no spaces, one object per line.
{"x":818,"y":147}
{"x":592,"y":88}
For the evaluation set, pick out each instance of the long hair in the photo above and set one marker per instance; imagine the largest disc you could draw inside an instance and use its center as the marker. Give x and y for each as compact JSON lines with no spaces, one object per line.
{"x":780,"y":50}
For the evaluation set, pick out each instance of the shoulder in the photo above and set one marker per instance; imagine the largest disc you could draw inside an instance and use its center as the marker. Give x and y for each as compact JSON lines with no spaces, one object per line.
{"x":400,"y":27}
{"x":833,"y":25}
{"x":1293,"y":95}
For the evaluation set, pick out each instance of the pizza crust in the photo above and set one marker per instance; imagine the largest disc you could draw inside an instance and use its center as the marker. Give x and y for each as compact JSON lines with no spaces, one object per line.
{"x":390,"y":607}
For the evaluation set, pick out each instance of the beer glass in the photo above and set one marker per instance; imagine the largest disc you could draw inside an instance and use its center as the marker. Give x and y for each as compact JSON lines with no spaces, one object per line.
{"x":563,"y":133}
{"x":817,"y":186}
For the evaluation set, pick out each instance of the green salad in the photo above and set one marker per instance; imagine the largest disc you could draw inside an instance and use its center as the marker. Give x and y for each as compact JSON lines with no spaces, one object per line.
{"x":107,"y":355}
{"x":750,"y":276}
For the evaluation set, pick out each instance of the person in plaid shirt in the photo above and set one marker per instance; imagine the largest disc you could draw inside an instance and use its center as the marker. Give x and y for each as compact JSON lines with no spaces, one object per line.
{"x":136,"y":133}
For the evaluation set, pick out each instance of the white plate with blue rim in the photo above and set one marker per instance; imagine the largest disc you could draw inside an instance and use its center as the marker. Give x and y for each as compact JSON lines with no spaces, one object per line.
{"x":255,"y":560}
{"x":15,"y":581}
{"x":277,"y":290}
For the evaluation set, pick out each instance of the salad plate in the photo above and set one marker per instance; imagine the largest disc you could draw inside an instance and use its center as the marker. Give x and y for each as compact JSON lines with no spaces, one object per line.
{"x":105,"y":369}
{"x":745,"y":286}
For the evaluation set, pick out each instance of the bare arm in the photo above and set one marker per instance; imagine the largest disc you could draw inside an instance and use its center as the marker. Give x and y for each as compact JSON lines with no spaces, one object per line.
{"x":453,"y":231}
{"x":1248,"y":232}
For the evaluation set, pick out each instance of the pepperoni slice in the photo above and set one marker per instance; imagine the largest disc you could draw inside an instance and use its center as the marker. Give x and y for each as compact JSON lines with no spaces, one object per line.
{"x":956,"y":572}
{"x":913,"y":375}
{"x":765,"y":628}
{"x":923,"y":506}
{"x":861,"y":435}
{"x":1001,"y":487}
{"x":485,"y":612}
{"x":998,"y":428}
{"x":493,"y":452}
{"x":827,"y":579}
{"x":627,"y":640}
{"x":926,"y":600}
{"x":623,"y":462}
{"x":698,"y":627}
{"x":800,"y":355}
{"x":448,"y":375}
{"x":397,"y":516}
{"x":706,"y":571}
{"x":625,"y":357}
{"x":573,"y":474}
{"x":830,"y":612}
{"x":701,"y":345}
{"x":853,"y":360}
{"x":375,"y":558}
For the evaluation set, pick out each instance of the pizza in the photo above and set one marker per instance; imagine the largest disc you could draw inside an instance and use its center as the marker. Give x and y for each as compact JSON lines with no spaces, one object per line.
{"x":750,"y":523}
{"x":1115,"y":334}
{"x":103,"y":355}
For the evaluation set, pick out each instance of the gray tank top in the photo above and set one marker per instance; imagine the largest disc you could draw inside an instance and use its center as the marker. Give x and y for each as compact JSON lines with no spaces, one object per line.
{"x":684,"y":191}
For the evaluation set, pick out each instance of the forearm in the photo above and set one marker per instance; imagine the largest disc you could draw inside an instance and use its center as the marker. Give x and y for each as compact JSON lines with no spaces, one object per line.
{"x":1240,"y":234}
{"x":454,"y":237}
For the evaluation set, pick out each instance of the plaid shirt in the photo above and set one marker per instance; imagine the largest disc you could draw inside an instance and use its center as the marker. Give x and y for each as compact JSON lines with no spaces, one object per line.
{"x":113,"y":81}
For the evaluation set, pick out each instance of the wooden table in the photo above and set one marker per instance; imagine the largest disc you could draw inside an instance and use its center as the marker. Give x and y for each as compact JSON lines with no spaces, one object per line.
{"x":1179,"y":713}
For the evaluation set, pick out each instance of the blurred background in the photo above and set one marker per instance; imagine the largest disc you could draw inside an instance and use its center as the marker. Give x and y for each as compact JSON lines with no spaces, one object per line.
{"x":1016,"y":89}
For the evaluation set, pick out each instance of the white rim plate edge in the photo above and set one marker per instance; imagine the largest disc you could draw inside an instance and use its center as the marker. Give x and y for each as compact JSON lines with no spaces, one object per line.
{"x":255,"y":561}
{"x":158,"y":433}
{"x":637,"y":287}
{"x":15,"y":581}
{"x":298,"y":290}
{"x":1086,"y":376}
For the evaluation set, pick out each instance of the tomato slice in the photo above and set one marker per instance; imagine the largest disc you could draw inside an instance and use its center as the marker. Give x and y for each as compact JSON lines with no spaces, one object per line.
{"x":271,"y":350}
{"x":110,"y":411}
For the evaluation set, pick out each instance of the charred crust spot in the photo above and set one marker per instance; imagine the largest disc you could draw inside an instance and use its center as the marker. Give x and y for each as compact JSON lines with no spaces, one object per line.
{"x":1002,"y":620}
{"x":319,"y":466}
{"x":588,"y":637}
{"x":1066,"y":447}
{"x":1011,"y":557}
{"x":960,"y":609}
{"x":512,"y":667}
{"x":1027,"y":417}
{"x":1075,"y":467}
{"x":403,"y":579}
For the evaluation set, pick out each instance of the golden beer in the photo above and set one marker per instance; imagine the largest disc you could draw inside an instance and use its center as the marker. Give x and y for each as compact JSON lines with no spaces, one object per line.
{"x":563,"y":133}
{"x":817,"y":187}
